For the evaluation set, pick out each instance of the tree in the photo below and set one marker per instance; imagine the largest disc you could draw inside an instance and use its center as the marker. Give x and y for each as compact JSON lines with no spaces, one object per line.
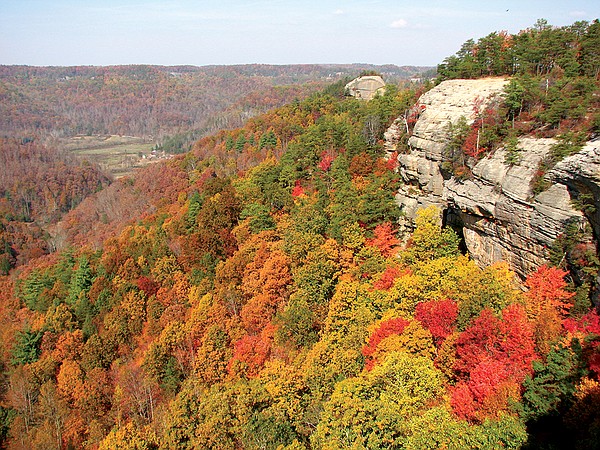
{"x":213,"y":418}
{"x":97,"y":390}
{"x":298,"y":324}
{"x":81,"y":280}
{"x":494,"y":356}
{"x":316,"y":274}
{"x":384,"y":330}
{"x":414,"y":340}
{"x":213,"y":355}
{"x":21,"y":396}
{"x":439,"y":317}
{"x":438,"y":428}
{"x":590,"y":58}
{"x":52,"y":412}
{"x":31,"y":289}
{"x":344,"y":201}
{"x":27,"y":347}
{"x":547,"y":304}
{"x":513,"y":98}
{"x":385,"y":239}
{"x":130,"y":437}
{"x":551,"y":384}
{"x":430,"y":240}
{"x":370,"y":411}
{"x":387,"y":278}
{"x":69,"y":382}
{"x":582,"y":417}
{"x":547,"y":289}
{"x":259,"y":217}
{"x":249,"y":355}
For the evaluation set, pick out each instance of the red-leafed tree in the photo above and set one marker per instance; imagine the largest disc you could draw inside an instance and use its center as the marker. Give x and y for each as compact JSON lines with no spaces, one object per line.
{"x":250,"y":354}
{"x":494,"y":355}
{"x":326,"y":160}
{"x":297,"y":190}
{"x":589,"y":324}
{"x":148,"y":286}
{"x":387,"y":278}
{"x":462,"y":401}
{"x":392,"y":161}
{"x":587,"y":329}
{"x":471,"y":145}
{"x":439,"y":317}
{"x":508,"y":339}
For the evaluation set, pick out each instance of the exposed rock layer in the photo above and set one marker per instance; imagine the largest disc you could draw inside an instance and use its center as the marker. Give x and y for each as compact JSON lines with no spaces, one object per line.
{"x":499,"y":215}
{"x":366,"y":87}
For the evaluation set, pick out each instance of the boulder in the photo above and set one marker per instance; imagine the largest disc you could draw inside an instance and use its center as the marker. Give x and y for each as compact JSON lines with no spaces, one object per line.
{"x":366,"y":87}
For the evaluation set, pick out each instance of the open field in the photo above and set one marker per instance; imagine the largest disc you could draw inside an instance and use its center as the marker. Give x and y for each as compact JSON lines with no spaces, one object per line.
{"x":119,"y":155}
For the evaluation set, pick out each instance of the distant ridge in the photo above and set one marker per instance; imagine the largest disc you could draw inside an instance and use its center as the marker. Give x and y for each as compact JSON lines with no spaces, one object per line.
{"x":391,"y":71}
{"x":155,"y":101}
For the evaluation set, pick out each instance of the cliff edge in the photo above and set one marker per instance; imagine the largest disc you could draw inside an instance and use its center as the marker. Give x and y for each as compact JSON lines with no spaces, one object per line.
{"x":495,"y":207}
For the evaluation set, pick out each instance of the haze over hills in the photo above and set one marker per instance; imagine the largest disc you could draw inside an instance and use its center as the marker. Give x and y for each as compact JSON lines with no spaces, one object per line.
{"x":157,"y":101}
{"x":117,"y":119}
{"x":163,"y":108}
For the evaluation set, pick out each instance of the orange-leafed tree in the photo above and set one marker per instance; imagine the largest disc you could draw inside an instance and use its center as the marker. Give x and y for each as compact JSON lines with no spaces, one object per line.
{"x":547,"y":304}
{"x":385,"y":239}
{"x":70,"y":381}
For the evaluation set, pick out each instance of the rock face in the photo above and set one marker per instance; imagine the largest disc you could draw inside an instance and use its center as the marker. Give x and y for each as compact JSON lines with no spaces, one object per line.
{"x":420,"y":169}
{"x":445,"y":103}
{"x":581,"y":174}
{"x":500,"y":217}
{"x":366,"y":87}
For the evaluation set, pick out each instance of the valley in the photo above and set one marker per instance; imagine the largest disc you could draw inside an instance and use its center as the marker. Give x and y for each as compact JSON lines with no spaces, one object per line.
{"x":117,"y":155}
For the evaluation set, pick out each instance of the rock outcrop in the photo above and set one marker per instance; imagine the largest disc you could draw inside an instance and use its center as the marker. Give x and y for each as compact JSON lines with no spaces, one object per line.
{"x":581,"y":174}
{"x":446,"y":103}
{"x":421,"y":168}
{"x":500,"y":217}
{"x":366,"y":87}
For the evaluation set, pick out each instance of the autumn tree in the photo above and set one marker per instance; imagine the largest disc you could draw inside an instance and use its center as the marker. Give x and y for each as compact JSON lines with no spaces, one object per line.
{"x":547,"y":304}
{"x":370,"y":411}
{"x":430,"y":240}
{"x":494,"y":356}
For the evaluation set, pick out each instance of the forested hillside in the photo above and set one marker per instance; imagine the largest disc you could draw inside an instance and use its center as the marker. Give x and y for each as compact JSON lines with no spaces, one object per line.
{"x":38,"y":186}
{"x":155,"y":102}
{"x":255,"y":293}
{"x":43,"y":108}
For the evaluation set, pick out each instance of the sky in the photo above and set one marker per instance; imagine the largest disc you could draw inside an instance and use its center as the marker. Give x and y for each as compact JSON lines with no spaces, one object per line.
{"x":206,"y":32}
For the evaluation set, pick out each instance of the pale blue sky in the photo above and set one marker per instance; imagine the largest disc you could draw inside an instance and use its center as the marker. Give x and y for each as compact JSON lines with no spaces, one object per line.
{"x":105,"y":32}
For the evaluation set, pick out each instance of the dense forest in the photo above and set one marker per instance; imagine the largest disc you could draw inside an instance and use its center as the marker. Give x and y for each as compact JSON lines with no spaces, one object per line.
{"x":41,"y":107}
{"x":38,"y":185}
{"x":156,"y":102}
{"x":255,"y":293}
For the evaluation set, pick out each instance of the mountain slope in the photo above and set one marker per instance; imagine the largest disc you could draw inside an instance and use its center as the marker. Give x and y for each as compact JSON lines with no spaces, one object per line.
{"x":263,"y":298}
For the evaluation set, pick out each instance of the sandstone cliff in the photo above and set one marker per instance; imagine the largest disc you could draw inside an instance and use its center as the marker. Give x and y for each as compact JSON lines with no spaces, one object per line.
{"x":366,"y":87}
{"x":500,"y":217}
